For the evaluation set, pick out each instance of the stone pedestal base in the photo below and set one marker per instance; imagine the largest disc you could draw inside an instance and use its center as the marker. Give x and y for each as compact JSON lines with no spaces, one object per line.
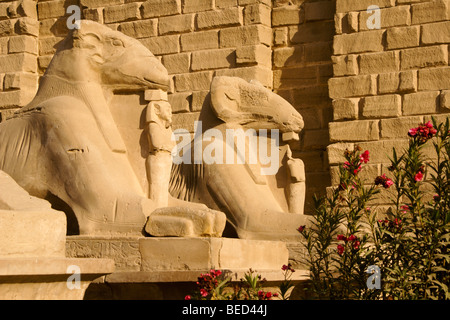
{"x":168,"y":268}
{"x":49,"y":278}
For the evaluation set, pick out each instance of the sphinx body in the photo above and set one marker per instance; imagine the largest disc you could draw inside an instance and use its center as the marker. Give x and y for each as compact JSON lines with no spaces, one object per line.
{"x":65,"y":147}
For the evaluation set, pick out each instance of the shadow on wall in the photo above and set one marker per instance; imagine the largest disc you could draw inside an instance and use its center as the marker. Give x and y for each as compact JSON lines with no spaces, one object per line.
{"x":303,"y":46}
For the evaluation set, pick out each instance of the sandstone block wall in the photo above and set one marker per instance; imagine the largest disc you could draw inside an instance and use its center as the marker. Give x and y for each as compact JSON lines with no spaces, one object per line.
{"x":387,"y":80}
{"x":19,"y":30}
{"x":302,"y":48}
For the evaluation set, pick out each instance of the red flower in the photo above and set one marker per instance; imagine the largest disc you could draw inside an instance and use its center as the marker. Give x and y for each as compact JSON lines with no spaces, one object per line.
{"x":419,"y":176}
{"x":384,"y":181}
{"x":364,"y":156}
{"x":341,"y":237}
{"x":412,"y":132}
{"x":404,"y":208}
{"x":352,"y":238}
{"x":356,"y":245}
{"x":436,"y":197}
{"x":188,"y":297}
{"x":340,"y":249}
{"x":301,"y":228}
{"x":203,"y":292}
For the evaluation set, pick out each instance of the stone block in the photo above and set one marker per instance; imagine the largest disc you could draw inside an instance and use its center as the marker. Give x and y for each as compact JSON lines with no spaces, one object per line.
{"x":393,"y":82}
{"x":125,"y":12}
{"x":382,"y":106}
{"x":288,"y":15}
{"x":100,"y":3}
{"x":256,"y":73}
{"x":49,"y":45}
{"x":176,"y":24}
{"x":245,"y":35}
{"x":258,"y":14}
{"x":353,"y":86}
{"x":52,"y":9}
{"x":345,"y":109}
{"x":184,"y":121}
{"x":6,"y":28}
{"x":199,"y":100}
{"x":398,"y":127}
{"x":155,"y":95}
{"x":213,"y":59}
{"x":280,"y":36}
{"x":421,"y":103}
{"x":434,"y":79}
{"x":433,"y":11}
{"x":190,"y":6}
{"x":27,"y":8}
{"x":345,"y":65}
{"x":16,"y":98}
{"x":180,"y":102}
{"x":193,"y":81}
{"x":380,"y":151}
{"x":318,"y":52}
{"x":424,"y":57}
{"x":200,"y":40}
{"x":220,"y":18}
{"x":139,"y":29}
{"x":445,"y":100}
{"x":177,"y":63}
{"x":322,"y":10}
{"x":18,"y":62}
{"x":336,"y":151}
{"x":294,"y":77}
{"x":48,"y":278}
{"x":436,"y":33}
{"x":390,"y":17}
{"x":402,"y":37}
{"x":211,"y":253}
{"x":159,"y":8}
{"x":94,"y":14}
{"x":288,"y":56}
{"x":21,"y":80}
{"x":256,"y":54}
{"x":311,"y":96}
{"x":367,"y":41}
{"x":312,"y":32}
{"x":222,"y":4}
{"x":163,"y":44}
{"x":358,"y":130}
{"x":23,"y":43}
{"x":26,"y":26}
{"x":359,"y":5}
{"x":379,"y":62}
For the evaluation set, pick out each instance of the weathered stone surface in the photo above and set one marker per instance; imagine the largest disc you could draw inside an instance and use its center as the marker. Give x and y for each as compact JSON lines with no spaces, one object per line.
{"x":139,"y":29}
{"x":368,"y":41}
{"x":176,"y":24}
{"x":158,"y":8}
{"x":424,"y":57}
{"x":218,"y":19}
{"x":382,"y":106}
{"x":163,"y":44}
{"x":177,"y":63}
{"x":389,"y":17}
{"x":436,"y":33}
{"x":382,"y":62}
{"x":398,"y":127}
{"x":393,"y":82}
{"x":193,"y":81}
{"x":345,"y":65}
{"x":258,"y":14}
{"x":359,"y":130}
{"x":352,"y":86}
{"x":437,"y":10}
{"x":200,"y":40}
{"x":47,"y":278}
{"x":125,"y":12}
{"x":445,"y":100}
{"x":434,"y":79}
{"x":245,"y":35}
{"x":211,"y":253}
{"x":345,"y":109}
{"x":286,"y":16}
{"x":403,"y":37}
{"x":421,"y":103}
{"x":197,"y":5}
{"x":257,"y":54}
{"x":213,"y":59}
{"x":358,"y":5}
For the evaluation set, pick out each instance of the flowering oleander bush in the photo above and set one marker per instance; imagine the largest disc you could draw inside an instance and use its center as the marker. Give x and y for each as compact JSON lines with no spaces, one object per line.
{"x":409,"y":242}
{"x":215,"y":286}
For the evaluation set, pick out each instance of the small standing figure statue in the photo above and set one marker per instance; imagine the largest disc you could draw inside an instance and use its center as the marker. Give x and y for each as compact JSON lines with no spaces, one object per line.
{"x":296,"y":183}
{"x":159,"y":161}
